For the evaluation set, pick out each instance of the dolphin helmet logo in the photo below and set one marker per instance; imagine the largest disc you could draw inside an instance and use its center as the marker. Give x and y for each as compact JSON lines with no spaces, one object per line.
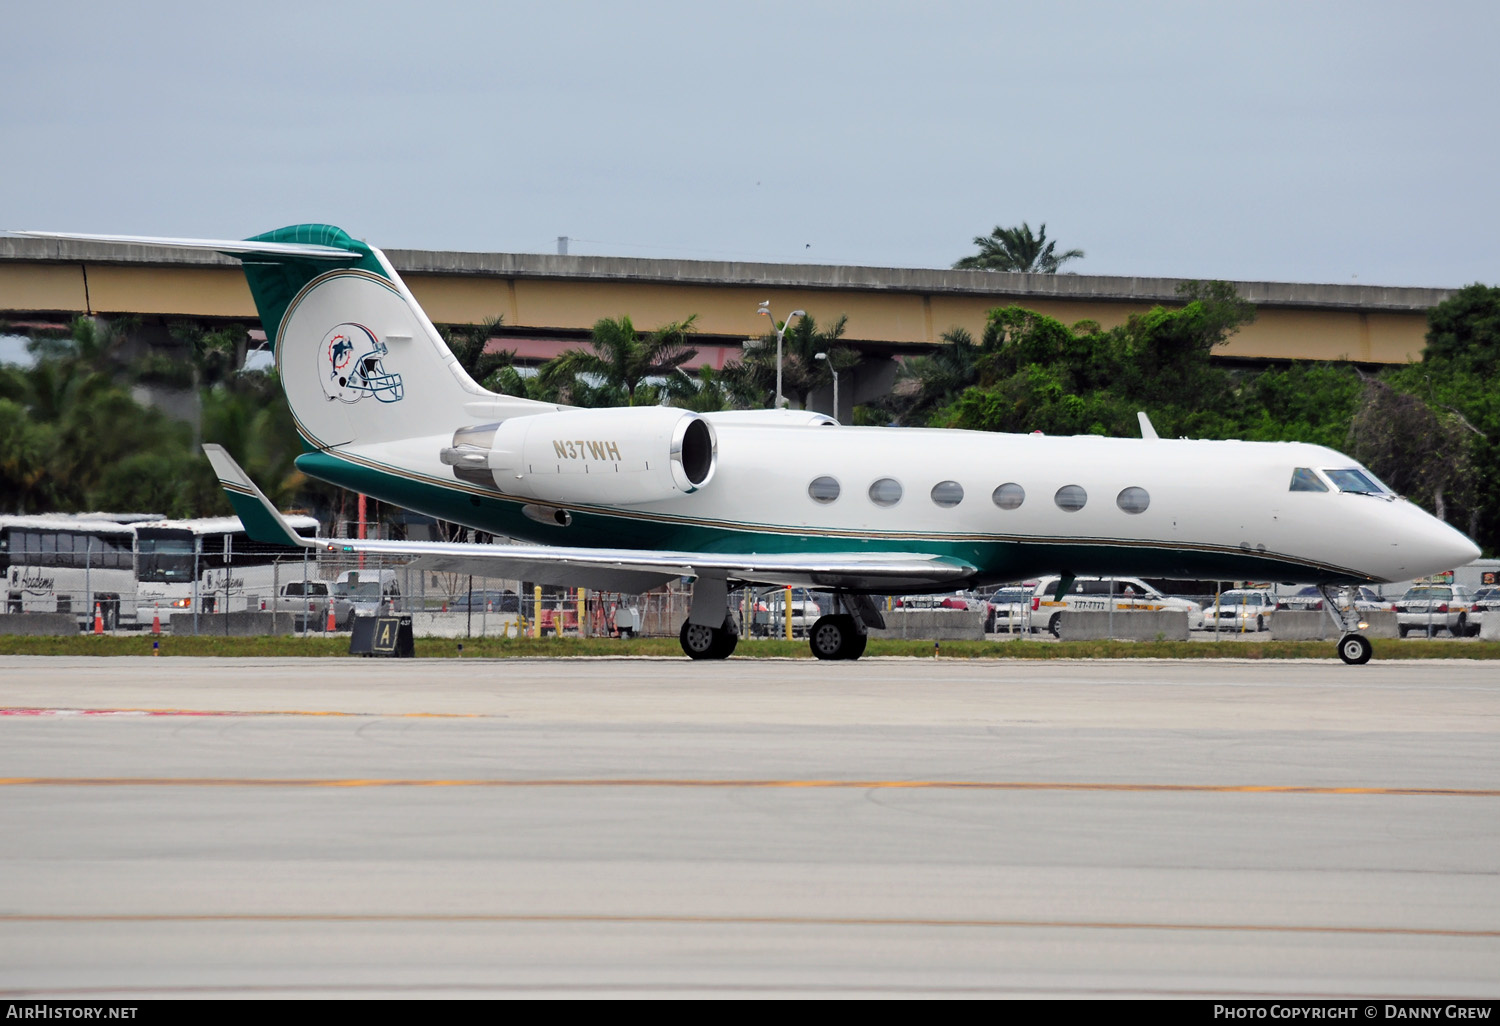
{"x":351,"y":366}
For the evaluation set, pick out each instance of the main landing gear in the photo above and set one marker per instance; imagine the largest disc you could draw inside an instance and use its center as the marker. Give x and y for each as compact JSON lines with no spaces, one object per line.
{"x":1354,"y":648}
{"x":837,"y":636}
{"x":840,"y":635}
{"x":844,"y":635}
{"x":701,"y":642}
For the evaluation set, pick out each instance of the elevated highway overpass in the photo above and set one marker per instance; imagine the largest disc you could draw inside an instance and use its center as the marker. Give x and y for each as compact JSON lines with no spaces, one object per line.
{"x":557,"y":299}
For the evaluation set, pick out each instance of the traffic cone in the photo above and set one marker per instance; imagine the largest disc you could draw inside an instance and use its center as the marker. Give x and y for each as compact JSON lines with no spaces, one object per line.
{"x":331,"y":625}
{"x":98,"y":620}
{"x":156,"y":620}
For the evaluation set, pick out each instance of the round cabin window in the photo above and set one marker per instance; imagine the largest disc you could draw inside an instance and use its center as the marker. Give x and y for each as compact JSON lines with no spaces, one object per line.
{"x":1071,"y":498}
{"x":885,"y":492}
{"x":823,"y":489}
{"x":1009,"y":496}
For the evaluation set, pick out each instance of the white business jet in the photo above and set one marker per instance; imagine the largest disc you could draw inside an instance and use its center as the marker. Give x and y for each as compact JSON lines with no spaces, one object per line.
{"x":627,"y":499}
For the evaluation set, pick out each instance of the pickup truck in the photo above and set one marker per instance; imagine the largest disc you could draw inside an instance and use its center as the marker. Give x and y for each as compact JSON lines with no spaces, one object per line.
{"x":306,"y":599}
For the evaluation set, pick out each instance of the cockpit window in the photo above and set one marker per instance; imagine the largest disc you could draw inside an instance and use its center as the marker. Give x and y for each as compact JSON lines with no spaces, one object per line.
{"x":1304,"y":480}
{"x":1352,"y":479}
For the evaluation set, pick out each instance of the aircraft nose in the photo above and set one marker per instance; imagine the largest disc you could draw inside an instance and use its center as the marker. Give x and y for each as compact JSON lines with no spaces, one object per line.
{"x":1439,"y":547}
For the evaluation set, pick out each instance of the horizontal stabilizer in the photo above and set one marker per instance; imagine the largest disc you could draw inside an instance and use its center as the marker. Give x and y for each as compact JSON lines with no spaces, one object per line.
{"x":233,"y":247}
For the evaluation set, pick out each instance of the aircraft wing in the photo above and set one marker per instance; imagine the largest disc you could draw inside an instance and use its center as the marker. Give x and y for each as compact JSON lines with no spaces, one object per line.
{"x":630,"y":570}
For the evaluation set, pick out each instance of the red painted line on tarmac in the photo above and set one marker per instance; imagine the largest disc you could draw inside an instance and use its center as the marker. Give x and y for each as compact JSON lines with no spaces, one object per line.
{"x":111,"y":712}
{"x":23,"y":711}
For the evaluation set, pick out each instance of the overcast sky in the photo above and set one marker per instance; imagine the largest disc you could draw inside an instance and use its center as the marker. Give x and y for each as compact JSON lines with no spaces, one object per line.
{"x":1306,"y":141}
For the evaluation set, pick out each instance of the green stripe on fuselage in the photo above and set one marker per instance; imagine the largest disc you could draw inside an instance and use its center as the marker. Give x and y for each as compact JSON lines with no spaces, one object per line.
{"x":1000,"y":560}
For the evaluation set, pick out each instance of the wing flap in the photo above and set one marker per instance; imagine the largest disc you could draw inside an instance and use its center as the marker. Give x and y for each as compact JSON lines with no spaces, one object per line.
{"x":641,"y":569}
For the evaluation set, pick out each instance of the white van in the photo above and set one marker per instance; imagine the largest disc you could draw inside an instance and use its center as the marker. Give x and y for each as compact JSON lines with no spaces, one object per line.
{"x":365,"y":593}
{"x":1096,"y":594}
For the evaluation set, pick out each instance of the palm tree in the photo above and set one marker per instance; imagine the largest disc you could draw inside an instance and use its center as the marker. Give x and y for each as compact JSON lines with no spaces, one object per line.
{"x":925,"y":383}
{"x":753,"y":378}
{"x":621,"y":358}
{"x":1016,"y":249}
{"x":468,"y":342}
{"x":709,"y":392}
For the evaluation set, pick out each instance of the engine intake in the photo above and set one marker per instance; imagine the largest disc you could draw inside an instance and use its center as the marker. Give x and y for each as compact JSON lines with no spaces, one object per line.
{"x":614,"y":457}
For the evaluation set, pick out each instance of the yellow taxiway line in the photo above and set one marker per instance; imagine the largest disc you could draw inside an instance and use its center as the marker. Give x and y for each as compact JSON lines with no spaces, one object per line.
{"x":668,"y":782}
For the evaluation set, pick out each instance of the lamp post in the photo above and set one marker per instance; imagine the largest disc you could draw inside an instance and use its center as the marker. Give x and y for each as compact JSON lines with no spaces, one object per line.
{"x":824,"y":356}
{"x":765,"y":308}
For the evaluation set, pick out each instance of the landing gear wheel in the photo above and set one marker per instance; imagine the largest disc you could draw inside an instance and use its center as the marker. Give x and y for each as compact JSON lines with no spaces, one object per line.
{"x":1355,"y":649}
{"x":701,"y":642}
{"x":832,"y":636}
{"x":857,"y":645}
{"x":728,"y":638}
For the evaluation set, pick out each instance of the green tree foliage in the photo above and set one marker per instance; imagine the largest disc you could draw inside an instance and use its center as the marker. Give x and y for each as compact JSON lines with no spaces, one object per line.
{"x":469,"y":343}
{"x":1030,"y":372}
{"x":1459,"y":380}
{"x":1463,"y":333}
{"x":1016,"y":249}
{"x":73,"y":437}
{"x":72,"y":433}
{"x":752,"y":379}
{"x":1302,"y":402}
{"x":618,"y":361}
{"x":1423,"y":453}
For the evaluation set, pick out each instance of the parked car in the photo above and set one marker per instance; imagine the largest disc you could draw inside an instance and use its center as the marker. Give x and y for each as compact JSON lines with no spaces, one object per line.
{"x":1427,"y":608}
{"x":1010,"y":609}
{"x":1484,"y":601}
{"x":1125,"y":594}
{"x":952,"y":600}
{"x":1310,"y":598}
{"x":769,"y":620}
{"x":488,"y":601}
{"x":1243,"y":609}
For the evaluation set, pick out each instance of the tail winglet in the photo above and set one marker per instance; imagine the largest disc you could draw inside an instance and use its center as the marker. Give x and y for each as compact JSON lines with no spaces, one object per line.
{"x":262,"y":523}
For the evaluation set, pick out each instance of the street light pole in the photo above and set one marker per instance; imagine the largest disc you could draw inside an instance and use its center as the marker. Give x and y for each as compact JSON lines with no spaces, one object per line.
{"x":765,"y":308}
{"x":824,"y":356}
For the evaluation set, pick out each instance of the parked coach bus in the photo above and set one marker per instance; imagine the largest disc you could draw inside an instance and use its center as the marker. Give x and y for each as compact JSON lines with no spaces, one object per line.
{"x":209,"y":565}
{"x":67,"y":563}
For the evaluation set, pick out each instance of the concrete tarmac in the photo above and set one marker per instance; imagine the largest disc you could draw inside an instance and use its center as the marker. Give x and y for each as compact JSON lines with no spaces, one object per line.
{"x":642,"y":827}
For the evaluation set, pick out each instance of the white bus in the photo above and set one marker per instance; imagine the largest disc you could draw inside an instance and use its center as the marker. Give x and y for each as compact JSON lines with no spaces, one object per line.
{"x":209,"y":565}
{"x":67,"y":563}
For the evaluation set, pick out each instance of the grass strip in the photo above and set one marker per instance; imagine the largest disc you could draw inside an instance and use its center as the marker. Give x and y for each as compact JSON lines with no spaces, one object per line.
{"x":554,"y":647}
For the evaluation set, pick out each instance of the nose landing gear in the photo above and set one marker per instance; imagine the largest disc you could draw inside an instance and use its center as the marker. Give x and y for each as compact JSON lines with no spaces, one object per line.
{"x":1354,"y":648}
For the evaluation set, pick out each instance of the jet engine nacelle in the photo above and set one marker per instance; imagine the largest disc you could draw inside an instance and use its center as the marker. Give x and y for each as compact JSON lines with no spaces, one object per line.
{"x":613,"y":457}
